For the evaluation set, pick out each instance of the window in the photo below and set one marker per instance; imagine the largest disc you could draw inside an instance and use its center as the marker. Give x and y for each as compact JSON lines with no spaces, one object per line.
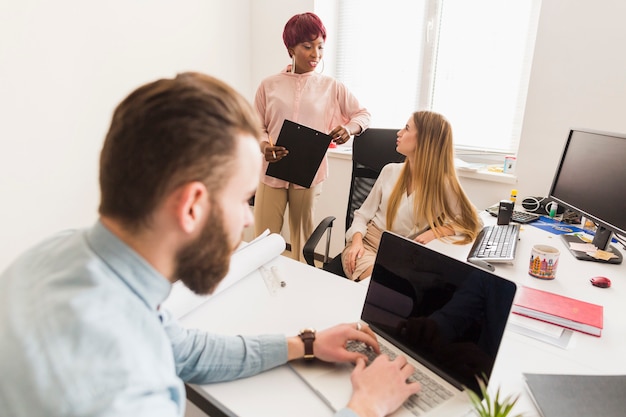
{"x":469,"y":60}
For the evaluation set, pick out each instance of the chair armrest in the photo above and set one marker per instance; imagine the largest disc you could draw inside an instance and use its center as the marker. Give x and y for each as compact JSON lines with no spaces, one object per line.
{"x":309,"y":247}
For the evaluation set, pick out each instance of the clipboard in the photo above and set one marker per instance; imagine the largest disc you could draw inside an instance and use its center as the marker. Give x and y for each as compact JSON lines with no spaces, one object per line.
{"x":306,"y":147}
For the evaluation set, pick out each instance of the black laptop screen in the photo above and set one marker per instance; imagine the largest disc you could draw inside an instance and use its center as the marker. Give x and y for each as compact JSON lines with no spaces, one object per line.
{"x":447,"y":314}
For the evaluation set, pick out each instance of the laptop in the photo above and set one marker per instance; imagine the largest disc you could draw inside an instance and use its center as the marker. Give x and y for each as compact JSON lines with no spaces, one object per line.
{"x":446,"y":316}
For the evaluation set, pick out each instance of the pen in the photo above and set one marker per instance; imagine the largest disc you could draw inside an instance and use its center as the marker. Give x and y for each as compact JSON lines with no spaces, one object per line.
{"x":272,"y":145}
{"x":419,"y":232}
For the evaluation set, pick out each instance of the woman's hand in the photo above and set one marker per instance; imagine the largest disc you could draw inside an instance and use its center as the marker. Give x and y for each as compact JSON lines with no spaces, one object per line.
{"x":425,"y":237}
{"x":340,"y":134}
{"x":429,"y":235}
{"x":355,"y":251}
{"x":274,"y":153}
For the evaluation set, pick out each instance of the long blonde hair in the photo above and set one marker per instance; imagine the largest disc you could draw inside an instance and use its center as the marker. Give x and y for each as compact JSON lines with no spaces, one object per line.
{"x":430,"y":174}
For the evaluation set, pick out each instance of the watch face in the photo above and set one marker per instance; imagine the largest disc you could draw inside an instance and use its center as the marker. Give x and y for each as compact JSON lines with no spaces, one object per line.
{"x":307,"y":334}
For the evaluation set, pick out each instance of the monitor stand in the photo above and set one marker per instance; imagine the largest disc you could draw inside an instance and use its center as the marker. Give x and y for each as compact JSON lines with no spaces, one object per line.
{"x":584,"y":257}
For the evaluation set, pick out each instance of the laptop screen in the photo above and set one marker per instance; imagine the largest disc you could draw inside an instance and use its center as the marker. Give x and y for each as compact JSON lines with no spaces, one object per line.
{"x":445,"y":313}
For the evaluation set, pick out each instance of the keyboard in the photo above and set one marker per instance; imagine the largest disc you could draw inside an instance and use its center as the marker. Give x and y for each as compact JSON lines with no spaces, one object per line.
{"x":517,"y":216}
{"x":495,"y":243}
{"x":431,"y":394}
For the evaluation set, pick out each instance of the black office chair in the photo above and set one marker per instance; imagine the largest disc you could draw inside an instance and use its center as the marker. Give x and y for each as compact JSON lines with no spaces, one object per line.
{"x":371,"y":151}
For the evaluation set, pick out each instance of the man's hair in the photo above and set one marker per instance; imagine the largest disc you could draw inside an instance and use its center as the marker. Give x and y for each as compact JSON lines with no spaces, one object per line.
{"x":168,"y":133}
{"x":304,"y":27}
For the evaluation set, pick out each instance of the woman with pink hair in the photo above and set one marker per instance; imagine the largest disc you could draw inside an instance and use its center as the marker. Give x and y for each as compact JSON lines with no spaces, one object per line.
{"x":303,"y":95}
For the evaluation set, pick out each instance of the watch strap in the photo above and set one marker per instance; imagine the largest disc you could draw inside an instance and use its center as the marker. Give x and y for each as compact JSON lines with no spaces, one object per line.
{"x":308,"y":337}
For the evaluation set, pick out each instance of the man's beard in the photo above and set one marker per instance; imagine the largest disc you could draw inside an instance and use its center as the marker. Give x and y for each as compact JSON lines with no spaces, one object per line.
{"x":203,"y":263}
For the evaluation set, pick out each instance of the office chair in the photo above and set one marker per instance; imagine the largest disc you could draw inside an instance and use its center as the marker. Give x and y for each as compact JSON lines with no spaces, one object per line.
{"x":371,"y":151}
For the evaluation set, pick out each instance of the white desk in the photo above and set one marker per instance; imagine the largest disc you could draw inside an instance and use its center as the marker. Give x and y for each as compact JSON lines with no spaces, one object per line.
{"x":315,"y":298}
{"x":585,"y":354}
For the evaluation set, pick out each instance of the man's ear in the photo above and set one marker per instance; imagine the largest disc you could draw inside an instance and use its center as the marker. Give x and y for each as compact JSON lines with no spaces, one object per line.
{"x":192,"y":206}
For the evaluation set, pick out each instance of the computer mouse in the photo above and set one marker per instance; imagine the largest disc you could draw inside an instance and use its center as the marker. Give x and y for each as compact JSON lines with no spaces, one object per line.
{"x":602,"y":282}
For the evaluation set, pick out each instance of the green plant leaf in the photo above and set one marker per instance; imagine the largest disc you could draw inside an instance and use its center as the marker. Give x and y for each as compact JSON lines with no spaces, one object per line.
{"x":488,"y":406}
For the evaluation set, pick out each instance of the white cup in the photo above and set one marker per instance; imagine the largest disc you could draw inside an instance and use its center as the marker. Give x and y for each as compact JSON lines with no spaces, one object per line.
{"x":544,"y":260}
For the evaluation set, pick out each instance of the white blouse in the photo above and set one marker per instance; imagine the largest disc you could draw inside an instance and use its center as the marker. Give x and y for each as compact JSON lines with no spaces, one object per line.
{"x":374,"y":207}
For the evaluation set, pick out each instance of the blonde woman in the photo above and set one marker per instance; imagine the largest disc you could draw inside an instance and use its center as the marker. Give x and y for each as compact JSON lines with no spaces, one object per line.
{"x":420,"y":198}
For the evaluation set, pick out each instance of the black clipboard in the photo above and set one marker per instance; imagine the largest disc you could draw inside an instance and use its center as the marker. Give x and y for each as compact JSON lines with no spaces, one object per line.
{"x":306,"y":147}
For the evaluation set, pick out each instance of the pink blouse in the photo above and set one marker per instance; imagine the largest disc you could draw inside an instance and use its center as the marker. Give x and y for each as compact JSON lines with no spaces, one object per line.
{"x":311,"y":99}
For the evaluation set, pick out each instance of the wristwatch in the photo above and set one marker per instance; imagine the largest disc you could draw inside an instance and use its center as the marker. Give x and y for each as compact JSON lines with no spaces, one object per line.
{"x":308,"y":337}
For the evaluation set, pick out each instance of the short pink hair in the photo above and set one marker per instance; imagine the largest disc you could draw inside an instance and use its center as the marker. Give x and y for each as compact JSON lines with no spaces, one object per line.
{"x":303,"y":27}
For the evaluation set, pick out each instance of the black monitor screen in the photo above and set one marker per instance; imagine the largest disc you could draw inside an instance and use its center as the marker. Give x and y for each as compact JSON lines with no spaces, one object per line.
{"x":591,"y":179}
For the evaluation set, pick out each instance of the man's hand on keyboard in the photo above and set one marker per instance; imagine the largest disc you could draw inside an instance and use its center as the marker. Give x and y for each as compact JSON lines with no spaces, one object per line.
{"x":382,"y":387}
{"x":330,"y":344}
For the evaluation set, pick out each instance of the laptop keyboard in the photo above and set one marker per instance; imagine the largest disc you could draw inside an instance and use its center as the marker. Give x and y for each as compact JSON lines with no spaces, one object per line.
{"x":431,"y":394}
{"x":495,"y":243}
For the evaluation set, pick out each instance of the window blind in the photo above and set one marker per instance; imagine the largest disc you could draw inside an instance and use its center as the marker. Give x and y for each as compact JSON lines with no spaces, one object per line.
{"x":469,"y":60}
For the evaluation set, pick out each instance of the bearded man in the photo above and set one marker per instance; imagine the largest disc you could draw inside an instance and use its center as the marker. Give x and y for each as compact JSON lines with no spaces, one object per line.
{"x":82,"y":333}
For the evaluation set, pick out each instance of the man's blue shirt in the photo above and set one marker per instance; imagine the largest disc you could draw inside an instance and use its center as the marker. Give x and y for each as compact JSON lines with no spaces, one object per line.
{"x":82,"y":335}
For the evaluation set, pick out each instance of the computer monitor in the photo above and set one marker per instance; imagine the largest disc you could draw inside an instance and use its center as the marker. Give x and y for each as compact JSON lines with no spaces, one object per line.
{"x":591,"y":179}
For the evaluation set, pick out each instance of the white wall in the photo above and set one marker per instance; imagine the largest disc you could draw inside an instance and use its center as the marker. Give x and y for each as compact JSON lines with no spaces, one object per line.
{"x":64,"y":66}
{"x":268,"y":52}
{"x":578,"y":79}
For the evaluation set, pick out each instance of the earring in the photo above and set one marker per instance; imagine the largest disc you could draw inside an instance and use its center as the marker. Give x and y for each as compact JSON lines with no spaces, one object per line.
{"x":322,"y":61}
{"x":293,"y":64}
